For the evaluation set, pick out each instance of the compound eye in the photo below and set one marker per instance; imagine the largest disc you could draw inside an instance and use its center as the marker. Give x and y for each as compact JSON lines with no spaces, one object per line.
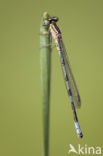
{"x":55,"y":19}
{"x":49,"y":20}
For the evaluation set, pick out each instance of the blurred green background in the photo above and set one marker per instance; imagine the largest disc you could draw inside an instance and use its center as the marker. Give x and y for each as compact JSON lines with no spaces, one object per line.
{"x":81,"y":23}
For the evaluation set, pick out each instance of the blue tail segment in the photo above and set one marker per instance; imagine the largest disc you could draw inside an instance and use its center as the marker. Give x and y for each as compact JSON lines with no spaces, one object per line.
{"x":79,"y":132}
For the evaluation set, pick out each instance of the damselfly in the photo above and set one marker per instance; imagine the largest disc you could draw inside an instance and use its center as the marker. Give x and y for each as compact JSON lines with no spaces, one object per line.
{"x":69,"y":79}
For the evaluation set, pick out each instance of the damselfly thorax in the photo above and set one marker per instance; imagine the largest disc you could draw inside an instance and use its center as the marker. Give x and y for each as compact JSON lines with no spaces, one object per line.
{"x":56,"y":34}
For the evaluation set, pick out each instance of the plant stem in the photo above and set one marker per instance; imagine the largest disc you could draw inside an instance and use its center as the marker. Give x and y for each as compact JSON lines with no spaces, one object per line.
{"x":45,"y":67}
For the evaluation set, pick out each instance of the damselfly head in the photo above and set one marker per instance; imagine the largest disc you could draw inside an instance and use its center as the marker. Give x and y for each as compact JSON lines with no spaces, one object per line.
{"x":52,"y":19}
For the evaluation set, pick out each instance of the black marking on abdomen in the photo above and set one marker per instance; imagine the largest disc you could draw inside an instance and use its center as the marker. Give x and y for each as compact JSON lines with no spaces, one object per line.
{"x":69,"y":92}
